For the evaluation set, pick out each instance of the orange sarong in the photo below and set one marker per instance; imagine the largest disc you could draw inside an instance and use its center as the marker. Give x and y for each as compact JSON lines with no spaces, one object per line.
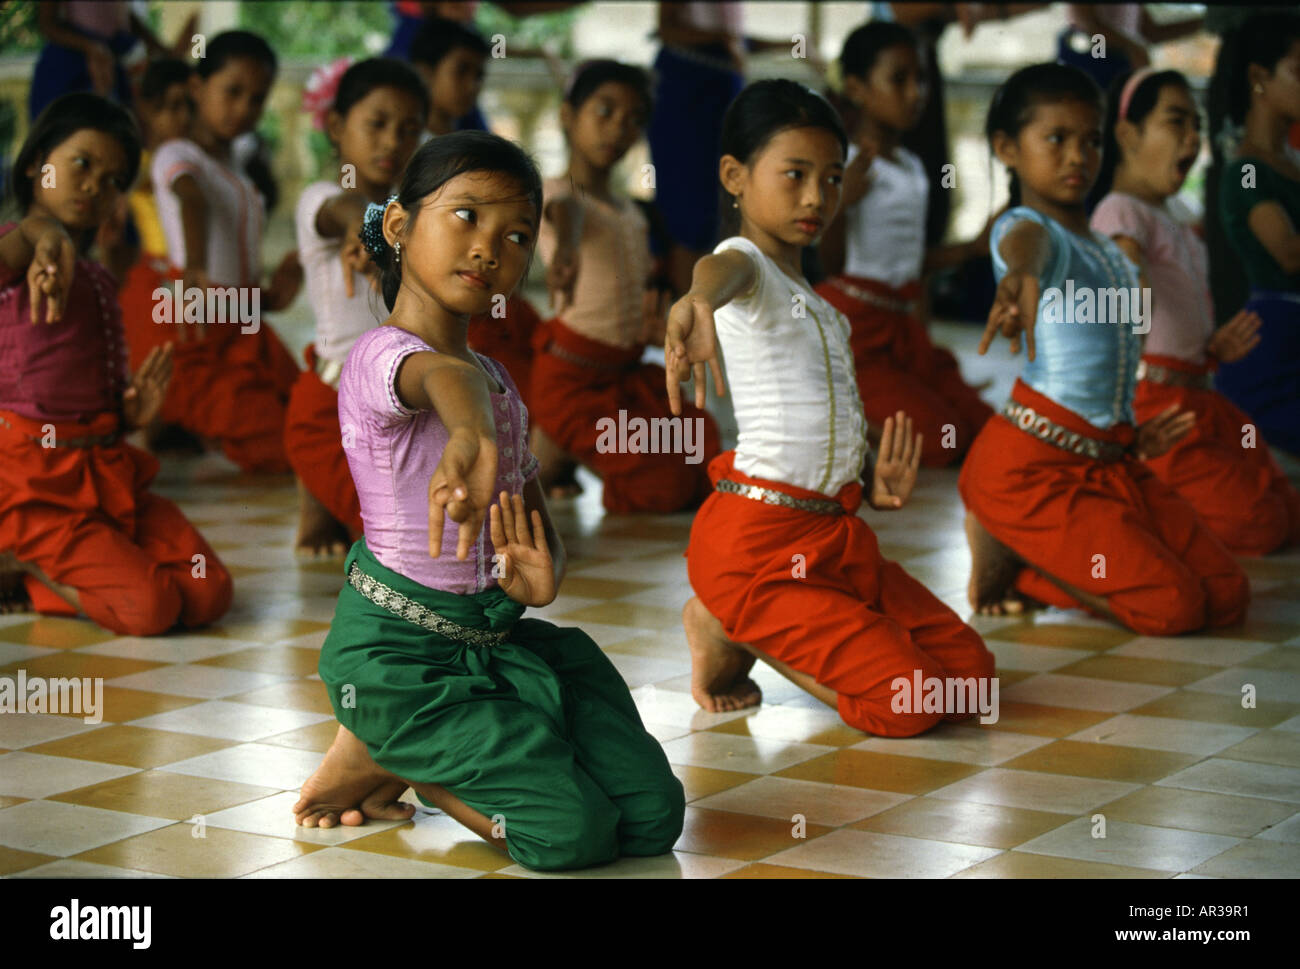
{"x":1110,"y":529}
{"x":898,"y":368}
{"x":230,"y":386}
{"x":1239,"y":491}
{"x":314,"y":442}
{"x":570,"y":398}
{"x":814,"y":592}
{"x":509,"y":341}
{"x":85,"y":517}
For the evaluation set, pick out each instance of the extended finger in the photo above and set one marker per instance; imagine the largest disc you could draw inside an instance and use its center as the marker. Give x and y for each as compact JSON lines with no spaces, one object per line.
{"x":697,"y":373}
{"x":539,"y":532}
{"x":522,"y":531}
{"x":887,"y":440}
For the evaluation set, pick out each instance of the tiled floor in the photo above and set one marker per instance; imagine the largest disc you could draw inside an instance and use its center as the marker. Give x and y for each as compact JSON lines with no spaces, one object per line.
{"x":206,"y":737}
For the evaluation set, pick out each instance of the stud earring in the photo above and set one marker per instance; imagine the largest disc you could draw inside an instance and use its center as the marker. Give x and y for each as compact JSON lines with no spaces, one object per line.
{"x":735,"y":203}
{"x":1259,"y":89}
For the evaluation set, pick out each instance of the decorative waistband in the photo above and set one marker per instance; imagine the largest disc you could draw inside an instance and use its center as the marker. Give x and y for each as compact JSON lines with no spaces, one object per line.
{"x":1173,"y":378}
{"x":771,"y":496}
{"x":908,"y":306}
{"x":96,"y":440}
{"x":407,"y":608}
{"x":555,"y":350}
{"x":1046,"y":429}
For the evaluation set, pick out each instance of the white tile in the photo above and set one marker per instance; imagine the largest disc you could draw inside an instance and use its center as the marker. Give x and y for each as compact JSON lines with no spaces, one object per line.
{"x":1131,"y":845}
{"x":29,"y":729}
{"x":13,"y":652}
{"x":1288,"y":830}
{"x":1038,"y":659}
{"x":1193,"y":649}
{"x":784,"y":797}
{"x":337,"y":863}
{"x":1083,"y":692}
{"x":1220,"y":775}
{"x":1275,"y":685}
{"x":166,"y":649}
{"x":262,"y":765}
{"x":644,"y":670}
{"x":272,"y":816}
{"x":676,"y":864}
{"x":206,"y":682}
{"x":1165,"y":733}
{"x":55,"y":828}
{"x":730,"y":752}
{"x":673,"y":708}
{"x":1035,"y":790}
{"x":68,"y":868}
{"x":875,"y":855}
{"x":965,"y":745}
{"x":231,"y":721}
{"x":37,"y":775}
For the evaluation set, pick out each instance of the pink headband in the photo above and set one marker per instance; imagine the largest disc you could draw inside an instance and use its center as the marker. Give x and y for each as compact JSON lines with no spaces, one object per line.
{"x":1127,"y":94}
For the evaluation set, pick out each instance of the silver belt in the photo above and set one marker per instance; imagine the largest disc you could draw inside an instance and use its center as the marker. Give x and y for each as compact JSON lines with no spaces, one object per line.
{"x":407,"y":608}
{"x":329,"y":371}
{"x":875,"y":299}
{"x":773,"y":497}
{"x":1045,"y":429}
{"x":1173,"y":378}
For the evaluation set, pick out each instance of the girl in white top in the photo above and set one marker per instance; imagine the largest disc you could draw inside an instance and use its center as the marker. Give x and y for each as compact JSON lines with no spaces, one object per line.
{"x":372,"y":112}
{"x":876,"y":255}
{"x":782,"y":568}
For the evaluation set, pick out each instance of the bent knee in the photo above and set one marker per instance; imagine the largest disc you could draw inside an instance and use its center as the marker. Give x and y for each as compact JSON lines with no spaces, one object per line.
{"x":147,"y":610}
{"x":653,"y":822}
{"x":207,"y":599}
{"x":1181,"y":607}
{"x":1228,"y":598}
{"x":580,"y":837}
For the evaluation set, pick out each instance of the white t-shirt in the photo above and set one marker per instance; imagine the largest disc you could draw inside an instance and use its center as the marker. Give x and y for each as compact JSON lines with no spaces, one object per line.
{"x":884,"y":232}
{"x":339,"y":320}
{"x":790,"y":373}
{"x":234,"y":215}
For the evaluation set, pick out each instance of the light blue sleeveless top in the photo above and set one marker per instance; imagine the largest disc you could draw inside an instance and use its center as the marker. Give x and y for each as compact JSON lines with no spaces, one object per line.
{"x":1087,"y":367}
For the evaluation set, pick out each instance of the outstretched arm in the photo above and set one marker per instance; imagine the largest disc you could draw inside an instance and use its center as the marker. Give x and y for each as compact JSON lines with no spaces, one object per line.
{"x":692,"y":340}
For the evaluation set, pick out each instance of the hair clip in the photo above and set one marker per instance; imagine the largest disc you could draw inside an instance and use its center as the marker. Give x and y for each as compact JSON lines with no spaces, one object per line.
{"x":372,"y":227}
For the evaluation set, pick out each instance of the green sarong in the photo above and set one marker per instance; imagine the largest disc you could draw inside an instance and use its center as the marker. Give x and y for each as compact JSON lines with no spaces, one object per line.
{"x":526,"y":722}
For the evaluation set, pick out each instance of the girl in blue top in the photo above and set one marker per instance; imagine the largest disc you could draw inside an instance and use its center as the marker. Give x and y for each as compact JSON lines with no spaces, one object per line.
{"x":1061,"y":511}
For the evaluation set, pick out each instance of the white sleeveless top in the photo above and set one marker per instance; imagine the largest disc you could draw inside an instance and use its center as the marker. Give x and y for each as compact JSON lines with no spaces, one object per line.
{"x":884,"y":232}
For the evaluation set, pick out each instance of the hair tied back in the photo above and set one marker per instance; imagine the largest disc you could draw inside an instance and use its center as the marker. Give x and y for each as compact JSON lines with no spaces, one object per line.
{"x":372,"y":227}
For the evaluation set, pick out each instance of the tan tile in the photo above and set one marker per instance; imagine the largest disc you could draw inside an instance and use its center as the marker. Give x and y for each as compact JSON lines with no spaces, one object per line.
{"x":71,"y":663}
{"x":793,"y":724}
{"x":293,"y":661}
{"x":593,"y":588}
{"x":1045,"y":721}
{"x":880,"y":772}
{"x":1269,"y":747}
{"x":1172,"y":807}
{"x":268,"y":630}
{"x":174,"y":850}
{"x":1018,"y":864}
{"x":1010,"y":677}
{"x":1257,"y":630}
{"x":132,"y":746}
{"x":434,"y":838}
{"x":122,"y":704}
{"x":1105,"y":761}
{"x":53,"y":632}
{"x":317,"y":737}
{"x":622,"y":613}
{"x":13,"y":860}
{"x":876,"y":855}
{"x":746,"y":836}
{"x":1254,"y":859}
{"x":162,"y":795}
{"x":1217,"y":708}
{"x":307,"y":695}
{"x":1099,"y":638}
{"x":702,"y":781}
{"x":763,"y":870}
{"x":963,"y":822}
{"x":1132,"y":669}
{"x":5,"y":799}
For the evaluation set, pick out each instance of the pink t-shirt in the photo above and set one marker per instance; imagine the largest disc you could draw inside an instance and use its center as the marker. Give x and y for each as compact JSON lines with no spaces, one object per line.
{"x":72,"y":370}
{"x":235,"y":212}
{"x":614,"y":265}
{"x":1182,"y":309}
{"x":393,"y":451}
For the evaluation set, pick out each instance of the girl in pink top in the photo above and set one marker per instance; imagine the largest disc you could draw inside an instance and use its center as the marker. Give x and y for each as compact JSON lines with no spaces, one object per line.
{"x":79,"y":530}
{"x":1223,"y":467}
{"x":520,"y":730}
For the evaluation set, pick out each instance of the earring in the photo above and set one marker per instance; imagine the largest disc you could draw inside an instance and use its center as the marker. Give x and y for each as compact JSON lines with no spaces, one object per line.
{"x":397,"y":248}
{"x":1259,"y":89}
{"x":735,"y":203}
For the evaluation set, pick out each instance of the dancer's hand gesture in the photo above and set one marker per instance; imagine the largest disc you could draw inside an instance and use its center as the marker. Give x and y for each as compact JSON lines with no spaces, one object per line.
{"x":1015,"y":307}
{"x":144,"y":398}
{"x":522,"y":562}
{"x":1236,"y":338}
{"x":54,"y":258}
{"x":690,"y":344}
{"x":461,"y":489}
{"x":897,"y":462}
{"x":1158,"y":435}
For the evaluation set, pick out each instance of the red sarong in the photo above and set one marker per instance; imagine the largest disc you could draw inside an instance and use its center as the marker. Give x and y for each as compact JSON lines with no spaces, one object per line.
{"x":230,"y":386}
{"x":315,"y":445}
{"x":1110,"y":529}
{"x":570,"y":399}
{"x":813,"y":591}
{"x":1239,"y":491}
{"x":86,"y":518}
{"x":509,"y":341}
{"x":898,"y":368}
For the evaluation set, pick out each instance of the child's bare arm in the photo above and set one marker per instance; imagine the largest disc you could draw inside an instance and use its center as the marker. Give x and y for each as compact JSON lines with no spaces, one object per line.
{"x":339,"y":213}
{"x":41,"y":246}
{"x":18,"y":245}
{"x":1276,"y":233}
{"x":194,"y":224}
{"x":565,"y":215}
{"x":456,"y":389}
{"x":691,"y":340}
{"x":1025,"y":249}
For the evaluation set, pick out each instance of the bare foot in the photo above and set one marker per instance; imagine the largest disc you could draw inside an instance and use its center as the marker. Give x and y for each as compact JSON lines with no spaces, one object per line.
{"x":13,"y":588}
{"x":349,"y":787}
{"x":719,"y":668}
{"x":993,"y":573}
{"x":320,"y":534}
